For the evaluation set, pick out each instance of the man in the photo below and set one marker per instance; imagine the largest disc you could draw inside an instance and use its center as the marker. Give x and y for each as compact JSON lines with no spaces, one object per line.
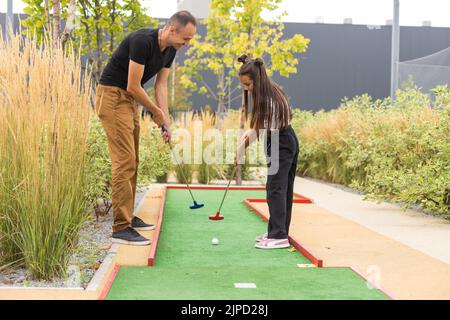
{"x":139,"y":57}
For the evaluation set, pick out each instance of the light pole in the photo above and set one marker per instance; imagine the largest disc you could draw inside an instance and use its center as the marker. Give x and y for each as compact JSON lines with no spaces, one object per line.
{"x":395,"y":48}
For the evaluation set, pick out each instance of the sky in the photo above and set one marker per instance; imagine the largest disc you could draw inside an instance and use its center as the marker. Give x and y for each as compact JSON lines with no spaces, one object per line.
{"x":370,"y":12}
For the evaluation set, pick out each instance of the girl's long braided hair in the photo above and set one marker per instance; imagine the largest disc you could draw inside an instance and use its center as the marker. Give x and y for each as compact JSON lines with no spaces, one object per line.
{"x":270,"y":105}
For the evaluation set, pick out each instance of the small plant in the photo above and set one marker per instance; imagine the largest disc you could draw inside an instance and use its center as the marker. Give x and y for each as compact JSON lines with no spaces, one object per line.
{"x":154,"y":154}
{"x":204,"y":175}
{"x":162,"y":178}
{"x":183,"y":173}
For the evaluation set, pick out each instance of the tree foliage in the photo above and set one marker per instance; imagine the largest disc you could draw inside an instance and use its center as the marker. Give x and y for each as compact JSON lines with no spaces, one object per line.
{"x":99,"y":25}
{"x":235,"y":27}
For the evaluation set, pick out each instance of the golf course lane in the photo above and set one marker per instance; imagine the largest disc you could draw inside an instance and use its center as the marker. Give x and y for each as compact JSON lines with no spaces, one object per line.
{"x":189,"y":266}
{"x":186,"y":236}
{"x":279,"y":283}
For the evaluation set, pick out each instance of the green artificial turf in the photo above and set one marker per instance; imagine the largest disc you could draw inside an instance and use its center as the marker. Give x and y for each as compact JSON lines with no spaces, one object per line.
{"x":188,"y":266}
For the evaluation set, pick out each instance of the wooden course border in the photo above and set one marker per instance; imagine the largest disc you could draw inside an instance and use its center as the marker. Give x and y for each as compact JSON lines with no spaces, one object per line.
{"x":109,"y":283}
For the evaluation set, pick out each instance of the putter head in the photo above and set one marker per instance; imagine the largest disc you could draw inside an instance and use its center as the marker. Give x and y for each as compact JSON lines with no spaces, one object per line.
{"x":217,"y":216}
{"x":196,"y":205}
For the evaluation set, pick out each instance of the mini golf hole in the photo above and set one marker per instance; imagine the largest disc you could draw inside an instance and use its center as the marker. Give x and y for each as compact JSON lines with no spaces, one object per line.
{"x":245,"y":285}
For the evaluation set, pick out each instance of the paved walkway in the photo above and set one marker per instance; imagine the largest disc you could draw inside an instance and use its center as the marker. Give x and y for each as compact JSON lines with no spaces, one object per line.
{"x":427,"y":234}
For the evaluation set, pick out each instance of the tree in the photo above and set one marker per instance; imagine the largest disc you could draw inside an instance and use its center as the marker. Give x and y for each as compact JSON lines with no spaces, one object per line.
{"x":56,"y":21}
{"x":104,"y":24}
{"x":48,"y":18}
{"x":178,"y":94}
{"x":235,"y":27}
{"x":70,"y":23}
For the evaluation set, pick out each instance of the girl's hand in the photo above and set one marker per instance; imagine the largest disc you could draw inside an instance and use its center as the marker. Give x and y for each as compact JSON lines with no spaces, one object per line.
{"x":244,"y":137}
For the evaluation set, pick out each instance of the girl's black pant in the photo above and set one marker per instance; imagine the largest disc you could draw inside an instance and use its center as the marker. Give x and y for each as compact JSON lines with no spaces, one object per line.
{"x":280,"y":184}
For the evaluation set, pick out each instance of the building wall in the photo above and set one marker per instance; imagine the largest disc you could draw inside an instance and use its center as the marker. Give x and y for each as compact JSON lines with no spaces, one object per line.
{"x":345,"y":60}
{"x":342,"y":60}
{"x":16,"y":23}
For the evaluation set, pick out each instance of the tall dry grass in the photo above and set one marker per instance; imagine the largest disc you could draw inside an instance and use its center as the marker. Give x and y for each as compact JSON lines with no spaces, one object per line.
{"x":195,"y":127}
{"x":44,"y":119}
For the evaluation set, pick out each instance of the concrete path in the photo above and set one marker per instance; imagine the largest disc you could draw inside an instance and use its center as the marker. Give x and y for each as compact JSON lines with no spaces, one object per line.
{"x":427,"y":234}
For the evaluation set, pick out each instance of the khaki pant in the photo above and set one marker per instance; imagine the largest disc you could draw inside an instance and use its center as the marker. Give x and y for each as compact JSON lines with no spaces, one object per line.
{"x":119,"y":115}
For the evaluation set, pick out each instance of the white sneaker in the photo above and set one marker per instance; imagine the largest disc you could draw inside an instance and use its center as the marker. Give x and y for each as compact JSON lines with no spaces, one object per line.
{"x":261,"y":237}
{"x":273,"y":244}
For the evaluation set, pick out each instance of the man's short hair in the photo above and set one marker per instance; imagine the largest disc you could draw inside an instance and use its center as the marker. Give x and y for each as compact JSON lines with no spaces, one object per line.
{"x":181,"y":18}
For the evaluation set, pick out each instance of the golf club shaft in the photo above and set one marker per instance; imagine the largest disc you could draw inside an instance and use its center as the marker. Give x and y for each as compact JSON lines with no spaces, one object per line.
{"x":182,"y":173}
{"x":228,"y":186}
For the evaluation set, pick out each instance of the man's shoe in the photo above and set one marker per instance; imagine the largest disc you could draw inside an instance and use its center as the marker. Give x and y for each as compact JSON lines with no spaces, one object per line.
{"x":129,"y":236}
{"x":138,"y":224}
{"x":273,"y":244}
{"x":261,"y":237}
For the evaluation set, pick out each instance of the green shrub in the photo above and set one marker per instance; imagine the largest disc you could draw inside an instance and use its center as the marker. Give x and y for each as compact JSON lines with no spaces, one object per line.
{"x":395,"y":152}
{"x":183,"y":173}
{"x":162,"y":178}
{"x":204,"y":173}
{"x":154,"y":155}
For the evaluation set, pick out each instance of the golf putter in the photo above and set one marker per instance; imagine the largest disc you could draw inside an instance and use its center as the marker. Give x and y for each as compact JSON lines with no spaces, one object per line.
{"x":195,"y":205}
{"x":218,"y":216}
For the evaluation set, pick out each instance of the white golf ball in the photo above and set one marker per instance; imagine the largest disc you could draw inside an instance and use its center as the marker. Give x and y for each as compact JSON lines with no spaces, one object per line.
{"x":215,"y":241}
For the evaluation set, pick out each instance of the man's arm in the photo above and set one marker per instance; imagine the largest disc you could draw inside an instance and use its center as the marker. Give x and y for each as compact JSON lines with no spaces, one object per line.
{"x":161,"y":94}
{"x":135,"y":73}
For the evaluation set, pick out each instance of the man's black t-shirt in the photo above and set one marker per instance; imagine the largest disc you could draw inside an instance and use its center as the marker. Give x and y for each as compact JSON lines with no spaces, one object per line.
{"x":142,"y":47}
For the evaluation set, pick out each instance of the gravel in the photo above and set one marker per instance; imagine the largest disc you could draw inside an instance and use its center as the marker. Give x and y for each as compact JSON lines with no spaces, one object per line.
{"x":93,"y":246}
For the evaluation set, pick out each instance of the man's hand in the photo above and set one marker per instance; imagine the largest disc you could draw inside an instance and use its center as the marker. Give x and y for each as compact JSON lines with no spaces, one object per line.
{"x":166,"y":133}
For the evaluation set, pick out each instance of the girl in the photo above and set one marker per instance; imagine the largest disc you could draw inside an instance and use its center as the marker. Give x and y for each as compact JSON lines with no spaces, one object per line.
{"x":270,"y":106}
